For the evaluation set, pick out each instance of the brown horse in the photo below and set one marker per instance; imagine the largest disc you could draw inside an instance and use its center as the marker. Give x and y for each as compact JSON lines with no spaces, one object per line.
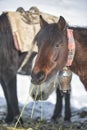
{"x":54,"y":53}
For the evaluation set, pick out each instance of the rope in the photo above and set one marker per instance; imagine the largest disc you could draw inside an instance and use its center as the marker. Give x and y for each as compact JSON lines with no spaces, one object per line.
{"x":34,"y":102}
{"x":41,"y":106}
{"x":26,"y":58}
{"x":23,"y":109}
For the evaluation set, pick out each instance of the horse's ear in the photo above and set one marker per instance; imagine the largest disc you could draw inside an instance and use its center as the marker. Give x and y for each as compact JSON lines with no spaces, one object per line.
{"x":42,"y":22}
{"x":61,"y":23}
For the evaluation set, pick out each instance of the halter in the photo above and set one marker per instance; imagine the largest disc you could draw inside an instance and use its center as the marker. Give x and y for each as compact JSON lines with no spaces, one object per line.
{"x":71,"y":47}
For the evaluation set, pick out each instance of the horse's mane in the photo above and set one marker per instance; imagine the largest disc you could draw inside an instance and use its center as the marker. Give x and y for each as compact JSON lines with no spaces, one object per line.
{"x":79,"y":28}
{"x":80,"y":34}
{"x":6,"y":38}
{"x":5,"y":29}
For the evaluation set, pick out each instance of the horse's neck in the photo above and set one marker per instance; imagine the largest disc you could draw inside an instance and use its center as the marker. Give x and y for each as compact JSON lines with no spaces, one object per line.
{"x":80,"y":37}
{"x":79,"y":64}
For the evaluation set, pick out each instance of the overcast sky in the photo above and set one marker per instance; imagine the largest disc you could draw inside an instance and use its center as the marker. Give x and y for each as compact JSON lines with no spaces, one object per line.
{"x":75,"y":11}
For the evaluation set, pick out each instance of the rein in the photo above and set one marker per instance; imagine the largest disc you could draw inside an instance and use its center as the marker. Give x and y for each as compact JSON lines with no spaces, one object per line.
{"x":71,"y":47}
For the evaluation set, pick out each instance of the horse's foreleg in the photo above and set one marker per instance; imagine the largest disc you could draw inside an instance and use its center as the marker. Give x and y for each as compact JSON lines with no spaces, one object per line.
{"x":58,"y":106}
{"x":10,"y":92}
{"x":67,"y":106}
{"x":9,"y":116}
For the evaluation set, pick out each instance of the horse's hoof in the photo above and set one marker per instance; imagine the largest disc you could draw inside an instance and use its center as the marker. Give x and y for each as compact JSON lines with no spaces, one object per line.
{"x":67,"y":123}
{"x":52,"y":121}
{"x":17,"y":122}
{"x":9,"y":119}
{"x":14,"y":121}
{"x":55,"y":120}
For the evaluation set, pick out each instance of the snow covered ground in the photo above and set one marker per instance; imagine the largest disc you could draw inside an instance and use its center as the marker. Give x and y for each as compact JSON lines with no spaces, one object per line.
{"x":75,"y":13}
{"x":78,"y":93}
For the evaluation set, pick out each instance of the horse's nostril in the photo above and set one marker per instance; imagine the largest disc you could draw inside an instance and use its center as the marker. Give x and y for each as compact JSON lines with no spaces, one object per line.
{"x":41,"y":76}
{"x":37,"y":77}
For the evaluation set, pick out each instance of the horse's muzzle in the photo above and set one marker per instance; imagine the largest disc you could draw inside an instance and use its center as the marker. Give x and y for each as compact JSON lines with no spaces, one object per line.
{"x":37,"y":78}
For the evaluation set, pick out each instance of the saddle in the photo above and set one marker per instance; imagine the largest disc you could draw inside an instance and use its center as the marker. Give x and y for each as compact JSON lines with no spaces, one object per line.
{"x":25,"y":25}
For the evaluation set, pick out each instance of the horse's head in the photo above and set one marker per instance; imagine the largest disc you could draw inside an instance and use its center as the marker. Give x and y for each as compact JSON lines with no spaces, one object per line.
{"x":52,"y":50}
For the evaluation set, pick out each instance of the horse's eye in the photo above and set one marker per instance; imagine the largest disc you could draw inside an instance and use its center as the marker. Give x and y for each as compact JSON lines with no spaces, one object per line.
{"x":57,"y":45}
{"x":62,"y":45}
